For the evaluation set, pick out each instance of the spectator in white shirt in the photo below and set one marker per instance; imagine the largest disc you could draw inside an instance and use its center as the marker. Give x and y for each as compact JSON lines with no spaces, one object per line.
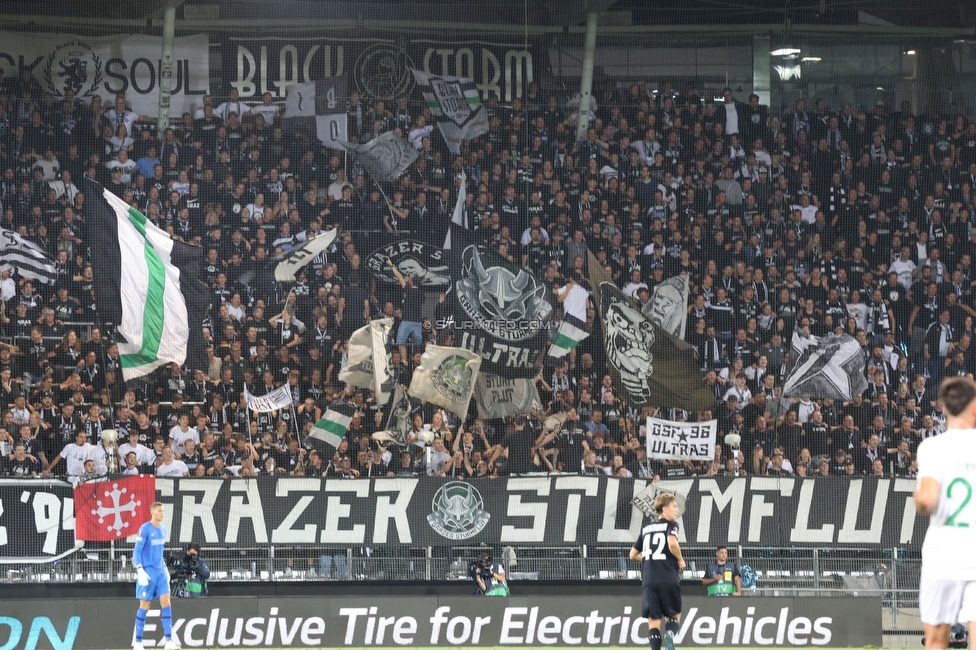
{"x":171,"y":468}
{"x":75,"y":455}
{"x":144,"y":455}
{"x":183,"y":432}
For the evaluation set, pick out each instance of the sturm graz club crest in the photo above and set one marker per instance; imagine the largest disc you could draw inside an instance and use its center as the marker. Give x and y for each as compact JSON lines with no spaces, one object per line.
{"x":629,"y":338}
{"x":382,"y":71}
{"x":458,"y":511}
{"x":508,"y":304}
{"x":453,"y":103}
{"x":421,"y":260}
{"x":72,"y":66}
{"x":453,"y":378}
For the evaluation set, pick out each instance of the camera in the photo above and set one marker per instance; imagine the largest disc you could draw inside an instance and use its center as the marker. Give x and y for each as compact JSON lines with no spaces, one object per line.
{"x":182,"y":564}
{"x":481,"y":564}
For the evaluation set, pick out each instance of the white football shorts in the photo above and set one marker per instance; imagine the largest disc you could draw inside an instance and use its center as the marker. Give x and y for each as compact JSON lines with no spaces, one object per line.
{"x":946,"y":602}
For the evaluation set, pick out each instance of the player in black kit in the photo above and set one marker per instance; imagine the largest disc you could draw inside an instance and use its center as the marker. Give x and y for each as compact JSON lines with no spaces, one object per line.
{"x":658,"y":549}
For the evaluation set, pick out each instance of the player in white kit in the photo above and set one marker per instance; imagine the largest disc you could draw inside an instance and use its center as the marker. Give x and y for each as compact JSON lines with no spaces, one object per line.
{"x":946,"y":482}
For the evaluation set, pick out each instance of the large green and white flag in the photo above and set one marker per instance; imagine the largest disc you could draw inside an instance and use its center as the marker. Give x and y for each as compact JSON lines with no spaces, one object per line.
{"x":570,"y":333}
{"x":147,"y":287}
{"x":446,"y":377}
{"x":368,"y":366}
{"x":455,"y":104}
{"x":331,"y":429}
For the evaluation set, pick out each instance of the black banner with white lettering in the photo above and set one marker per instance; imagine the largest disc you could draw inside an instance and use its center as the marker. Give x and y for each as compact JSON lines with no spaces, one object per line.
{"x":378,"y":68}
{"x":37,"y":522}
{"x":428,"y":621}
{"x":542,"y":510}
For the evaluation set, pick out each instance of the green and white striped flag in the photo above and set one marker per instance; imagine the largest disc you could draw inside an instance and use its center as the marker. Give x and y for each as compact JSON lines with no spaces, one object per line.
{"x":455,"y":104}
{"x":331,"y":429}
{"x":571,"y":331}
{"x":148,"y":287}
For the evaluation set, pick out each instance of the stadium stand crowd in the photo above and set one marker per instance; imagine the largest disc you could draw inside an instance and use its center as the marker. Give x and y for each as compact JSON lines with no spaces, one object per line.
{"x":832,"y":218}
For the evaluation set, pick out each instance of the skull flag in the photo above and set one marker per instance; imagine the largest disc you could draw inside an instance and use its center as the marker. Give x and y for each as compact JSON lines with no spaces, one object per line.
{"x":649,"y":365}
{"x":111,"y":510}
{"x":501,"y":310}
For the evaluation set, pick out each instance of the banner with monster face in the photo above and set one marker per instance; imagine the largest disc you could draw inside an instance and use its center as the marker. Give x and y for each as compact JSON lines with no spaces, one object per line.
{"x":501,"y":311}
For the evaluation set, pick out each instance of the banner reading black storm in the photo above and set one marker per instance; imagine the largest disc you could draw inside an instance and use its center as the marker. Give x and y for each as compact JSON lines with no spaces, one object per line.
{"x":377,"y":68}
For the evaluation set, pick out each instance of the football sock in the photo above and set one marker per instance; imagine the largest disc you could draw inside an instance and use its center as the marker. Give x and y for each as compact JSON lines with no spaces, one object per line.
{"x":655,"y":638}
{"x":166,"y":613}
{"x":672,"y":626}
{"x":140,"y":624}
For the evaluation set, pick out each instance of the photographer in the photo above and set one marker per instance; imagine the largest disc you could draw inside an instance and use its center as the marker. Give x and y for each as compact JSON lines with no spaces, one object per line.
{"x":489,"y":576}
{"x":188,"y":574}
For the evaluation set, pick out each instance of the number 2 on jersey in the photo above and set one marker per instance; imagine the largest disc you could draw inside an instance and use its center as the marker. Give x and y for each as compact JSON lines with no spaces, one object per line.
{"x":658,"y":540}
{"x":951,"y":521}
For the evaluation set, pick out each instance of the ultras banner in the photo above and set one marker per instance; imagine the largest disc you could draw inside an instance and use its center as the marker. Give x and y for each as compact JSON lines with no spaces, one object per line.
{"x":37,"y":517}
{"x":379,"y":68}
{"x":442,"y":621}
{"x":108,"y":65}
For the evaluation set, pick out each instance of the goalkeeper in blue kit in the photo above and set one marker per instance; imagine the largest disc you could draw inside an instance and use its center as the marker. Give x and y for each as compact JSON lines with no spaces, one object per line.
{"x":153,"y":577}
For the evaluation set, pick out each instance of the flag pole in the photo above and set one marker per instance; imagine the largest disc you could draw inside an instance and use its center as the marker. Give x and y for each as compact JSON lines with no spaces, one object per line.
{"x":298,"y":429}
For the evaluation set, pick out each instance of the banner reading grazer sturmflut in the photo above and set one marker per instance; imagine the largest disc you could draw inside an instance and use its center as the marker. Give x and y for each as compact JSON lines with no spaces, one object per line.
{"x":108,"y":65}
{"x":559,"y":510}
{"x":667,"y":440}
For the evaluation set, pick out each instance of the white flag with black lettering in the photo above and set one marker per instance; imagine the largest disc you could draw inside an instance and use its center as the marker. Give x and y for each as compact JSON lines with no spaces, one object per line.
{"x":667,"y":440}
{"x":279,"y":398}
{"x":367,"y":365}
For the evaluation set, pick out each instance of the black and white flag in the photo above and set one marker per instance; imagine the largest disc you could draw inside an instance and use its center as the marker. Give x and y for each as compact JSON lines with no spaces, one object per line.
{"x":649,"y":365}
{"x":397,"y":419}
{"x":830,"y":367}
{"x":368,"y":366}
{"x":668,"y":305}
{"x":385,"y":157}
{"x":318,"y":107}
{"x":456,"y":106}
{"x":25,"y":257}
{"x":293,"y":260}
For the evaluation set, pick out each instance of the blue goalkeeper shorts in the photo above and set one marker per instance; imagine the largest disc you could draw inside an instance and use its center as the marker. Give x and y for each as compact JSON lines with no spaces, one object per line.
{"x":158,"y":585}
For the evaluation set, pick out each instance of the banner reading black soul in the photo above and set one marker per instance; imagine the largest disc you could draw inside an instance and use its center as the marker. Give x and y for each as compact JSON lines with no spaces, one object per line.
{"x":37,"y":522}
{"x":379,"y":68}
{"x":445,"y":621}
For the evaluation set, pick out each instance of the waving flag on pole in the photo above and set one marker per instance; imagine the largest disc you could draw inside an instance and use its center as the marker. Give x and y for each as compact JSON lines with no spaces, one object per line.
{"x":571,"y":333}
{"x":319,"y":107}
{"x":385,"y":157}
{"x":25,"y":257}
{"x":368,"y":366}
{"x":446,"y":377}
{"x":458,"y":219}
{"x":831,"y":367}
{"x":456,"y":106}
{"x":279,"y":398}
{"x":331,"y":429}
{"x":155,"y":299}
